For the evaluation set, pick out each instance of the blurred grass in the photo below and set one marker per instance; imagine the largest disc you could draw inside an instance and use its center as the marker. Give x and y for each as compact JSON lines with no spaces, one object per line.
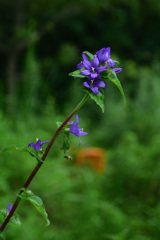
{"x":123,"y":202}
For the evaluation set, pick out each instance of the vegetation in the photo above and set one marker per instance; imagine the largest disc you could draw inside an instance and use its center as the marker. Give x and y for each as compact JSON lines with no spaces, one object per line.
{"x":40,"y":44}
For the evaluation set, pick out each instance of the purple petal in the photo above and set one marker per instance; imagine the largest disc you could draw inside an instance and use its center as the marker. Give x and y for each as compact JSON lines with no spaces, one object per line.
{"x":102,"y":69}
{"x":44,"y":142}
{"x":87,"y":64}
{"x":85,"y":72}
{"x":103,"y":54}
{"x":9,"y":207}
{"x":111,"y":63}
{"x":84,"y":57}
{"x":77,"y":118}
{"x":95,"y":61}
{"x":101,"y":84}
{"x":80,"y":65}
{"x":86,"y":84}
{"x":32,"y":145}
{"x":95,"y":90}
{"x":81,"y":133}
{"x":117,"y":70}
{"x":94,"y":75}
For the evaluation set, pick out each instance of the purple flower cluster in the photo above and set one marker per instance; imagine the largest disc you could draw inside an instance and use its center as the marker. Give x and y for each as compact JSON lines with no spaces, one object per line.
{"x":101,"y":62}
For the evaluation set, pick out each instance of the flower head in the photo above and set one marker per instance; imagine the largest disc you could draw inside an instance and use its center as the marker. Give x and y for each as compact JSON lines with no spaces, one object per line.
{"x":38,"y":145}
{"x":92,"y":67}
{"x":74,"y":129}
{"x":104,"y":57}
{"x":104,"y":54}
{"x":94,"y":84}
{"x":9,"y":207}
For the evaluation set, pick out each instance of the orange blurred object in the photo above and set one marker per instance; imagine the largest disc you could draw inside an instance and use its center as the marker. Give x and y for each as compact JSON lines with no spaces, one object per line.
{"x":94,"y":157}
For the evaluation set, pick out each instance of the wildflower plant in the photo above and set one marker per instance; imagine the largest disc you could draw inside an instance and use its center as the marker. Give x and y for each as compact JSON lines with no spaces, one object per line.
{"x":94,"y":71}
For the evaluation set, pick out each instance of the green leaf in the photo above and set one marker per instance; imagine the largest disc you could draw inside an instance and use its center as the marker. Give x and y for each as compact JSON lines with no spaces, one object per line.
{"x":113,"y":78}
{"x":66,"y":143}
{"x":37,"y":202}
{"x":15,"y":220}
{"x":14,"y":148}
{"x":58,"y":124}
{"x":21,"y":149}
{"x":77,"y":73}
{"x":2,"y":236}
{"x":90,"y":55}
{"x":99,"y":98}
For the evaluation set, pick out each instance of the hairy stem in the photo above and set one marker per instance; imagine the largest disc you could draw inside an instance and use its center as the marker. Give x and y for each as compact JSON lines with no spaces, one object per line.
{"x":37,"y":167}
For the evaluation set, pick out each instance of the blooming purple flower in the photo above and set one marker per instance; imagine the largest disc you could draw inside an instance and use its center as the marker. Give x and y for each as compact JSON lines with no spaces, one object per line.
{"x":74,"y":129}
{"x":104,"y":54}
{"x":94,"y":84}
{"x":92,"y":68}
{"x":9,"y":207}
{"x":38,"y":144}
{"x":104,"y":57}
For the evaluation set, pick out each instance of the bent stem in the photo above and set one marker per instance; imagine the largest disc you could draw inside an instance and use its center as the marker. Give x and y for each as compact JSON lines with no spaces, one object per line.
{"x":35,"y":170}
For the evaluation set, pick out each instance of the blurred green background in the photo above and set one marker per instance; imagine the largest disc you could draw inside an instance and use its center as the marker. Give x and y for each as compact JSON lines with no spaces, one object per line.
{"x":40,"y":43}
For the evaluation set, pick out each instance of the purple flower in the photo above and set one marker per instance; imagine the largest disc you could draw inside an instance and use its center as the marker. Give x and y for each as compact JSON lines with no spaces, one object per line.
{"x":38,"y":145}
{"x":94,"y":84}
{"x":104,"y":57}
{"x":80,"y":65}
{"x":104,"y":54}
{"x":92,"y":68}
{"x":74,"y":129}
{"x":9,"y":207}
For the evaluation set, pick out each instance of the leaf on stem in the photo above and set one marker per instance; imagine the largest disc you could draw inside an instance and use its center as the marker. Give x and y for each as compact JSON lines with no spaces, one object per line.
{"x":37,"y":203}
{"x":77,"y":73}
{"x":21,"y":149}
{"x":98,"y":98}
{"x":111,"y":75}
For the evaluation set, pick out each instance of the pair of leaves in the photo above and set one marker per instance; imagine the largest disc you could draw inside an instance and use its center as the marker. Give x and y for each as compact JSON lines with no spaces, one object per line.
{"x":36,"y":202}
{"x":21,"y":149}
{"x":109,"y":74}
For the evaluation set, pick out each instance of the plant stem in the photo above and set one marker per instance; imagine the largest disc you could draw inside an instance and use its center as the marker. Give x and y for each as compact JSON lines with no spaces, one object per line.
{"x":37,"y":167}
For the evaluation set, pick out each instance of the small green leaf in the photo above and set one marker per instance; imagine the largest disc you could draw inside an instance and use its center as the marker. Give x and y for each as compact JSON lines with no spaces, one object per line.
{"x":66,"y":143}
{"x":2,"y":236}
{"x":98,"y":98}
{"x":15,"y":220}
{"x":37,"y":202}
{"x":58,"y":124}
{"x":113,"y":78}
{"x":77,"y":73}
{"x":90,"y":55}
